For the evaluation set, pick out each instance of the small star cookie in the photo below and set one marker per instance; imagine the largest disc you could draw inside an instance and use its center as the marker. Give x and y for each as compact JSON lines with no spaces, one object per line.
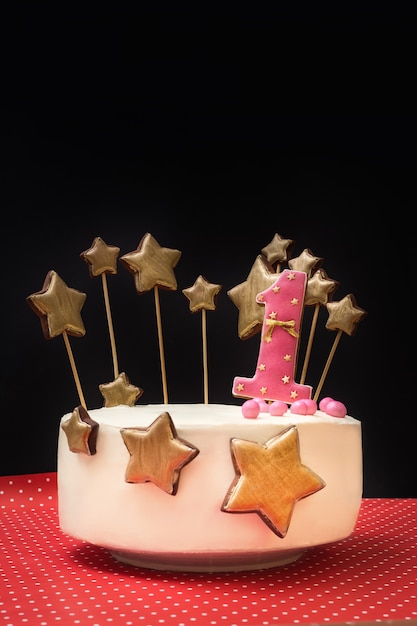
{"x":152,"y":265}
{"x":270,"y":479}
{"x":319,"y":288}
{"x":278,"y":250}
{"x":58,"y":307}
{"x":202,"y":295}
{"x":120,"y":391}
{"x":81,"y":431}
{"x":101,"y":258}
{"x":306,"y":262}
{"x":344,"y":315}
{"x":157,"y":454}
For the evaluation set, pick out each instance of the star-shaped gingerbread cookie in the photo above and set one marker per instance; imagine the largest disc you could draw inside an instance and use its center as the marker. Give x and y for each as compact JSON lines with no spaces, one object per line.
{"x":202,"y":295}
{"x":157,"y":454}
{"x":319,"y":288}
{"x":306,"y":262}
{"x":344,"y":315}
{"x":58,"y":307}
{"x":101,"y":258}
{"x":270,"y":479}
{"x":251,"y":313}
{"x":278,"y":250}
{"x":81,"y":431}
{"x":120,"y":391}
{"x":152,"y":265}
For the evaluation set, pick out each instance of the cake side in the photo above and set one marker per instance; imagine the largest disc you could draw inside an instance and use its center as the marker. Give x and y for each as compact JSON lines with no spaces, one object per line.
{"x":97,"y":505}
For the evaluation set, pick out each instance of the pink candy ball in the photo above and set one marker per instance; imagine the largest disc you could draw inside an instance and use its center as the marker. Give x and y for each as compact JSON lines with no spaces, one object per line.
{"x":311,"y":406}
{"x":263,"y":406}
{"x":250,"y":409}
{"x":336,"y":409}
{"x":324,"y":402}
{"x":277,"y":408}
{"x":299,"y":407}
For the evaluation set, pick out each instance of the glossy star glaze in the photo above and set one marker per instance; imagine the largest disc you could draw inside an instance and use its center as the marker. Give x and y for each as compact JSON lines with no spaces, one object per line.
{"x":306,"y":262}
{"x":270,"y":479}
{"x":320,"y":288}
{"x":202,"y":295}
{"x":152,"y":265}
{"x":120,"y":391}
{"x":58,"y":307}
{"x":157,"y":454}
{"x":344,"y":315}
{"x":251,"y":313}
{"x":278,"y":250}
{"x":101,"y":258}
{"x":81,"y":432}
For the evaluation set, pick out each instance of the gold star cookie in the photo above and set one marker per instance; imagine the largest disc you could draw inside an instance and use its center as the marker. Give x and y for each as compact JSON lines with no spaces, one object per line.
{"x":306,"y":262}
{"x":152,"y":265}
{"x":157,"y":455}
{"x":251,"y":314}
{"x":202,"y":294}
{"x":270,"y":479}
{"x":58,"y":307}
{"x":120,"y":391}
{"x":101,"y":258}
{"x":344,"y":315}
{"x":278,"y":250}
{"x":319,"y":288}
{"x":81,"y":431}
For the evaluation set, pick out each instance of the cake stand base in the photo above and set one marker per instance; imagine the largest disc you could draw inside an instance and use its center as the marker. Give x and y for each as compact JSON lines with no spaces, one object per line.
{"x":227,"y":561}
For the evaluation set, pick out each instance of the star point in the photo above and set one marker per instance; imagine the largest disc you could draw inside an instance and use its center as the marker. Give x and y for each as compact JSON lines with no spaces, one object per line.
{"x":244,"y":297}
{"x":270,"y":479}
{"x":157,"y":454}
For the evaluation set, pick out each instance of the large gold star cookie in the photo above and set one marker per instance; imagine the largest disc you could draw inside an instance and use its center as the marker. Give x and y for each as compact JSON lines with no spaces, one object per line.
{"x":344,"y":315}
{"x":101,"y":258}
{"x":251,"y":314}
{"x":202,"y":295}
{"x":81,"y":431}
{"x":152,"y":265}
{"x":58,"y":307}
{"x":120,"y":391}
{"x":270,"y":479}
{"x":157,"y":455}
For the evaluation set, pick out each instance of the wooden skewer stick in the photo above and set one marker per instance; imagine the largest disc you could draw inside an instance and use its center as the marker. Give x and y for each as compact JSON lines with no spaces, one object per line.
{"x":205,"y":367}
{"x":110,"y":325}
{"x":161,"y":344}
{"x":310,"y":342}
{"x":74,"y":369}
{"x":326,"y":368}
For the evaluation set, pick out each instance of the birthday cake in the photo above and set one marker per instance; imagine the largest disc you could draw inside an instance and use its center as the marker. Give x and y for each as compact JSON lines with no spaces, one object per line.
{"x":211,"y":487}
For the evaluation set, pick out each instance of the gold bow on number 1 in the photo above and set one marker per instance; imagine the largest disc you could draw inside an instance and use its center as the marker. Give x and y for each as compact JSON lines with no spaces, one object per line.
{"x":288,"y":326}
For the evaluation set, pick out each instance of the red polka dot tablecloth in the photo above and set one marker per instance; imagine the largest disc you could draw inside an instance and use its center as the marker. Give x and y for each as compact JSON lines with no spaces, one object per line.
{"x":48,"y":578}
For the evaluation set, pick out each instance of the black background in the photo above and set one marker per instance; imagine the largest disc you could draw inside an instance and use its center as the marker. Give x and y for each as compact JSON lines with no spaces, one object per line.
{"x":118,"y":127}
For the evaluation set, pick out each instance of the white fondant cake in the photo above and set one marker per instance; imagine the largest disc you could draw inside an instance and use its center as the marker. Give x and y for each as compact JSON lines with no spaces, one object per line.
{"x":195,"y":527}
{"x":212,"y":487}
